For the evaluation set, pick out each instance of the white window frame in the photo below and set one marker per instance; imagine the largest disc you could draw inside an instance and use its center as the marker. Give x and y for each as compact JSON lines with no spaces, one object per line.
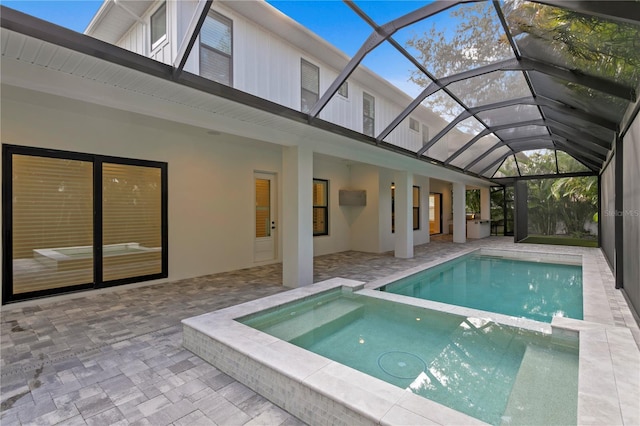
{"x":414,"y":125}
{"x":162,"y":38}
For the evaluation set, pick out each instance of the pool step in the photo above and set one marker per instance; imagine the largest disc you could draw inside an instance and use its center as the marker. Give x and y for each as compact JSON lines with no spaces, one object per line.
{"x":539,"y":394}
{"x":300,"y":325}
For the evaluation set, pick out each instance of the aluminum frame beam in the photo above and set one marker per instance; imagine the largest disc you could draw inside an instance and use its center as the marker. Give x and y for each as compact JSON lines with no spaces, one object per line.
{"x":377,"y":37}
{"x":624,"y":11}
{"x":597,"y":83}
{"x":195,"y":25}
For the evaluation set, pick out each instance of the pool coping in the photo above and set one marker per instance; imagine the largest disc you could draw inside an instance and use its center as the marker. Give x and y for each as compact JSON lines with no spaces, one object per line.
{"x":320,"y":391}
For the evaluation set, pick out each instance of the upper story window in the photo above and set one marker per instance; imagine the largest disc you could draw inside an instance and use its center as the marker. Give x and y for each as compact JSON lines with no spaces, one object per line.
{"x":368,"y":114}
{"x":343,"y":90}
{"x":414,"y":124}
{"x":216,"y":47}
{"x":309,"y":84}
{"x":159,"y":26}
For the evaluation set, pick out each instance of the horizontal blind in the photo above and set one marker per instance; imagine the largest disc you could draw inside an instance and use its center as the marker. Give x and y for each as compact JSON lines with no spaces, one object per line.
{"x":310,"y":77}
{"x":131,"y":221}
{"x":215,"y":66}
{"x":216,"y":33}
{"x":263,"y":208}
{"x":52,"y":209}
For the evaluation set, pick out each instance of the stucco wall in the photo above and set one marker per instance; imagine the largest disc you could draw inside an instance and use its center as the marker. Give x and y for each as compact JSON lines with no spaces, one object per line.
{"x":337,"y":173}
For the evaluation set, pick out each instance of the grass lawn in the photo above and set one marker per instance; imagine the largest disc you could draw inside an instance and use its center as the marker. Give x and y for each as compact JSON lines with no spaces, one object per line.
{"x":558,"y":240}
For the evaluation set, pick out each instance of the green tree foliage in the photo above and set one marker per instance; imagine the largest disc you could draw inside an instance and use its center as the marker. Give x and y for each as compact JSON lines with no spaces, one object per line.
{"x":571,"y":201}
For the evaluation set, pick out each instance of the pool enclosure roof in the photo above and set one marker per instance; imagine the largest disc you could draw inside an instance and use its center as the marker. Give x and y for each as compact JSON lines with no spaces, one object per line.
{"x":509,"y":82}
{"x":513,"y":80}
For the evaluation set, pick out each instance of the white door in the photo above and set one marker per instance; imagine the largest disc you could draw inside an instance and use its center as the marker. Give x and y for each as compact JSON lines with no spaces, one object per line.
{"x":264,"y":248}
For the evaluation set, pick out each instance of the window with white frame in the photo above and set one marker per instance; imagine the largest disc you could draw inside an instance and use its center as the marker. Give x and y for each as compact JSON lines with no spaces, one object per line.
{"x":216,"y":48}
{"x":414,"y":124}
{"x":343,"y":90}
{"x":309,"y":85}
{"x":368,"y":114}
{"x":159,"y":26}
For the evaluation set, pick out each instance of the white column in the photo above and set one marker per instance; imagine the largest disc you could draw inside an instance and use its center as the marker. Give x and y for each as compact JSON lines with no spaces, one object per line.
{"x":459,"y":213}
{"x":297,"y":216}
{"x":404,"y":215}
{"x":485,"y":203}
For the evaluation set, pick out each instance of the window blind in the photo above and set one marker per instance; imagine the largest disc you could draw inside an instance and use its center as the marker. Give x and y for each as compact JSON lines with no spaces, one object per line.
{"x":263,"y":208}
{"x":131,"y":221}
{"x":216,"y":33}
{"x":52,"y":210}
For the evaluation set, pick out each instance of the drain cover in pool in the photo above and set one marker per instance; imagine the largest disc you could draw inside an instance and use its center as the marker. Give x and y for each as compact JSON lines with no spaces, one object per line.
{"x":402,"y":365}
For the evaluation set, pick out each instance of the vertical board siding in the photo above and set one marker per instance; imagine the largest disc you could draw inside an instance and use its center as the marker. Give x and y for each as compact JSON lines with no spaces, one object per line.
{"x":268,"y":66}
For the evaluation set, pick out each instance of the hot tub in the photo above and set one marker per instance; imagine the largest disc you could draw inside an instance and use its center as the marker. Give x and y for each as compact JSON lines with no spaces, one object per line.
{"x":64,"y":258}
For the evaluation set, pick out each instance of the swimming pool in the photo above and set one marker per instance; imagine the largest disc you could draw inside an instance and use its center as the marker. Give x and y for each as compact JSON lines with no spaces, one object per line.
{"x":474,"y":366}
{"x":537,"y":290}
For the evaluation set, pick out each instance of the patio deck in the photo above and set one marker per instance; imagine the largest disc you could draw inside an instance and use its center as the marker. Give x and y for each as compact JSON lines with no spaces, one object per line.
{"x":115,"y":356}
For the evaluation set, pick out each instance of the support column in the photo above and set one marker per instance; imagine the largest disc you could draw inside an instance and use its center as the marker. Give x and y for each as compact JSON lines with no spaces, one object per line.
{"x":485,"y":203}
{"x":297,"y":216}
{"x":404,"y":215}
{"x":459,"y":213}
{"x":521,"y":212}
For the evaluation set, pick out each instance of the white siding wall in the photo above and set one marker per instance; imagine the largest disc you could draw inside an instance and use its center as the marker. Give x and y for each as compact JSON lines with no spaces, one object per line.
{"x":137,"y":39}
{"x":268,"y":66}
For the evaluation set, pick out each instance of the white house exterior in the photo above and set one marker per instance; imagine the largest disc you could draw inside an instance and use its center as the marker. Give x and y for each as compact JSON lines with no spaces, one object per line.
{"x":215,"y":149}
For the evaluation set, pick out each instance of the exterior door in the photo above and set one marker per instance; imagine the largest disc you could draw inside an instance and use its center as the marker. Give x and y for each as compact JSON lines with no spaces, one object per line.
{"x":265,"y":217}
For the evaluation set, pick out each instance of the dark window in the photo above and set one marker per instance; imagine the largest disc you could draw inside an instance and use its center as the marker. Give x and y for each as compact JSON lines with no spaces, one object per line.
{"x":309,"y":85}
{"x":414,"y":124}
{"x":425,"y":134}
{"x":320,"y":207}
{"x":343,"y":90}
{"x":216,"y":49}
{"x":79,"y":221}
{"x":368,"y":114}
{"x":159,"y":26}
{"x":416,"y":208}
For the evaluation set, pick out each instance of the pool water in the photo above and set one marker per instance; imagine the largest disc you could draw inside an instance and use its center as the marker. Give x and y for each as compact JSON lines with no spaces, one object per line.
{"x":533,"y":290}
{"x":496,"y":373}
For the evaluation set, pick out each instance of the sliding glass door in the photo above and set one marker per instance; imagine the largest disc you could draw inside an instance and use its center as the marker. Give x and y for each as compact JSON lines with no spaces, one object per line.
{"x":75,"y":221}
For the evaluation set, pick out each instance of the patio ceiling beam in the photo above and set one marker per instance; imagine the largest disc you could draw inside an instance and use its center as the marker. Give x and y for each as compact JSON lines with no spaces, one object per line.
{"x":195,"y":25}
{"x":575,"y":76}
{"x":624,"y":11}
{"x":377,"y":37}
